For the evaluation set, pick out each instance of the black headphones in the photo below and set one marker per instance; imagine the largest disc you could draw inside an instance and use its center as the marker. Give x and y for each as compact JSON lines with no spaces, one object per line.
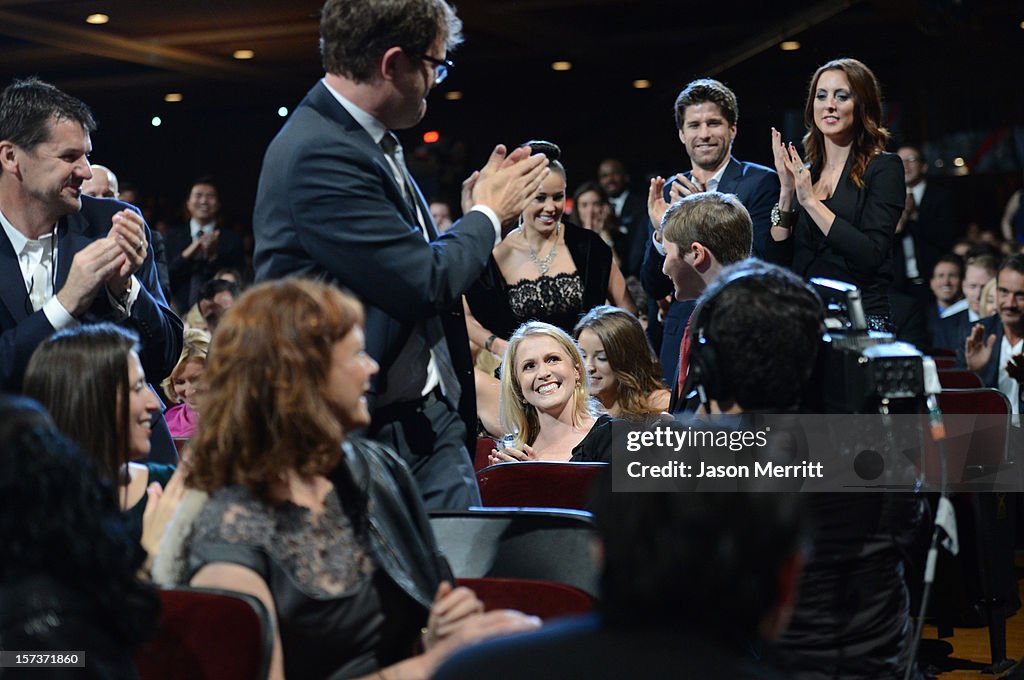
{"x":704,"y":374}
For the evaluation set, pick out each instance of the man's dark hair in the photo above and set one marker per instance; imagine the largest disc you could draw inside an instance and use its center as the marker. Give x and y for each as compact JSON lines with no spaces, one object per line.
{"x":209,"y":290}
{"x":1013,"y":263}
{"x":702,"y":561}
{"x":27,"y":108}
{"x":354,"y":34}
{"x":951,"y":258}
{"x":766,"y":329}
{"x":707,"y":90}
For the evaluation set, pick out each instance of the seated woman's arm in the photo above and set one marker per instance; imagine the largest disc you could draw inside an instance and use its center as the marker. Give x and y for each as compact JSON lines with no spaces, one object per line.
{"x":618,"y":294}
{"x":479,"y":335}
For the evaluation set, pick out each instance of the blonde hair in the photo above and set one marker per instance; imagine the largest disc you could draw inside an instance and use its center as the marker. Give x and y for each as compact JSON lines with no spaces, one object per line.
{"x":983,"y":307}
{"x":195,"y":345}
{"x":519,"y":417}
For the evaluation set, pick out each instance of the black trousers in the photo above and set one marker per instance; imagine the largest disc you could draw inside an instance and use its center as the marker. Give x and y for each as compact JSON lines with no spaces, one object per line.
{"x":430,"y":437}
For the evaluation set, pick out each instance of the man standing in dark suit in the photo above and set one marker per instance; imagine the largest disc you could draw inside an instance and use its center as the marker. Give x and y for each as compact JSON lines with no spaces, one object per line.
{"x":64,"y":258}
{"x":925,"y":230}
{"x":631,"y":210}
{"x":995,"y":348}
{"x":198,"y":250}
{"x":335,"y":200}
{"x":706,"y":112}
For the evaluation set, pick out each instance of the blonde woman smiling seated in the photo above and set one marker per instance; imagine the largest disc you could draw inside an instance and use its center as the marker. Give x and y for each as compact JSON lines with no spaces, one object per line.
{"x":544,"y":401}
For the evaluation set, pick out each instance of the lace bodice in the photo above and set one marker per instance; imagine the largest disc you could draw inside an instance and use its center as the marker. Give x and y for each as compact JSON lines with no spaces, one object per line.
{"x":546,"y":296}
{"x":324,"y":554}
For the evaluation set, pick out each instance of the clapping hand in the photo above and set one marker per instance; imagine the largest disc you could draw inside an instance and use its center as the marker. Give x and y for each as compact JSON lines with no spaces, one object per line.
{"x":511,"y":454}
{"x":978,"y":349}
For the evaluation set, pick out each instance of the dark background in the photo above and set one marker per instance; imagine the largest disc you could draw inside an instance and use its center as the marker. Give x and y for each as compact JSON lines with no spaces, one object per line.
{"x":951,"y":73}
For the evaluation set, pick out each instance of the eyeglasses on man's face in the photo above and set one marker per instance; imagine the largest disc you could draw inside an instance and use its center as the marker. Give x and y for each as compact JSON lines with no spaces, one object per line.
{"x":441,"y":66}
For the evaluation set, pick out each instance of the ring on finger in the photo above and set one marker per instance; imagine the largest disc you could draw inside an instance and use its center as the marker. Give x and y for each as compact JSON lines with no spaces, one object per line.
{"x":138,"y":247}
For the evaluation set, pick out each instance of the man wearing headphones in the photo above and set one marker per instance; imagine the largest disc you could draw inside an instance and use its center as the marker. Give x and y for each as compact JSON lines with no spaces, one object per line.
{"x":756,"y":334}
{"x":702,"y":233}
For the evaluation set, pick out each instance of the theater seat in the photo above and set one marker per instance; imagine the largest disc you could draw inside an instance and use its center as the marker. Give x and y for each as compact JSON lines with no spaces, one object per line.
{"x":953,"y":379}
{"x":538,"y":598}
{"x":537,"y":484}
{"x":207,"y":634}
{"x":543,"y":545}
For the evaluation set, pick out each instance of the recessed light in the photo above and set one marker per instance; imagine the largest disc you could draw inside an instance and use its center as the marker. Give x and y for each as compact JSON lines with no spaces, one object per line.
{"x":243,"y":54}
{"x":789,"y":45}
{"x":561,"y":66}
{"x":282,"y":111}
{"x":958,"y":162}
{"x":173,"y":97}
{"x":155,"y":121}
{"x":642,"y":84}
{"x":453,"y":96}
{"x":97,"y":19}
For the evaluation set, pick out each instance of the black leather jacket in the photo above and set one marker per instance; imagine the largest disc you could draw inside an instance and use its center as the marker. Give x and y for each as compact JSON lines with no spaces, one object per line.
{"x":401,"y":538}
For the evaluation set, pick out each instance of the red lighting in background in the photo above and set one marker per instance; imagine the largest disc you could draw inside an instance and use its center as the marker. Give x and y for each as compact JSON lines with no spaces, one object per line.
{"x":431,"y":136}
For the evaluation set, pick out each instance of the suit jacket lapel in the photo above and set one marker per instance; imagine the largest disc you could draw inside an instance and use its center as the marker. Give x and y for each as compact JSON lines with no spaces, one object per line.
{"x":12,"y":283}
{"x":731,"y":177}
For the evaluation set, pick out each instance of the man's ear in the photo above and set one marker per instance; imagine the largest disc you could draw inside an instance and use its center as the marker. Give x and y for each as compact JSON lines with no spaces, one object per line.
{"x":701,"y":255}
{"x":8,"y":156}
{"x":388,"y":66}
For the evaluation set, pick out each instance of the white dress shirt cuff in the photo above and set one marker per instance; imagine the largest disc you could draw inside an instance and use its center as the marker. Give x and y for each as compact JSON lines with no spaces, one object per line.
{"x":659,"y":246}
{"x":125,"y":310}
{"x":493,"y":217}
{"x":57,"y":315}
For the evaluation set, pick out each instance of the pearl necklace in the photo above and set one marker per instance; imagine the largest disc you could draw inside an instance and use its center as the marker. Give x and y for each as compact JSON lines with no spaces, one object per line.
{"x":543,"y":266}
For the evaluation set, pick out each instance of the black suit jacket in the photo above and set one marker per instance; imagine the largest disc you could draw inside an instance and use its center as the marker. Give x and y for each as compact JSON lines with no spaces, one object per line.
{"x":757,"y":187}
{"x":858,"y":248}
{"x":328,"y":206}
{"x":160,"y":331}
{"x":186,"y":274}
{"x":932,"y":233}
{"x":953,"y":331}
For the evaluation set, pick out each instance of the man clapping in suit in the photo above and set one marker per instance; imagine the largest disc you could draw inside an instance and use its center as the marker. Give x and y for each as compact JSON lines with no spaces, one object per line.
{"x":335,"y":200}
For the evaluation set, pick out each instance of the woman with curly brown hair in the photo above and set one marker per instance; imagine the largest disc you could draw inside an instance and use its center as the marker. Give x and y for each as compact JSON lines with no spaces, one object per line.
{"x":837,"y":213}
{"x":328,"y":531}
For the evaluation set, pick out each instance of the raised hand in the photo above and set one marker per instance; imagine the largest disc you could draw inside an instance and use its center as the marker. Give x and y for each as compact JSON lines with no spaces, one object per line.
{"x":129,"y":232}
{"x":978,"y":349}
{"x":90,"y":269}
{"x":656,"y":205}
{"x":508,"y":182}
{"x":782,"y":162}
{"x":1015,"y":367}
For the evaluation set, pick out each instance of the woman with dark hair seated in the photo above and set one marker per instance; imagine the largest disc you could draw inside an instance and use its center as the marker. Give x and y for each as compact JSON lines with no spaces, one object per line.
{"x":67,"y":564}
{"x":544,"y":401}
{"x":329,"y":532}
{"x":91,"y":381}
{"x":544,"y":270}
{"x":624,"y":373}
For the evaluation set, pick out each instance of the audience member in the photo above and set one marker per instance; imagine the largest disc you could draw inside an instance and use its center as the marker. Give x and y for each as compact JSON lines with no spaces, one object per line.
{"x":184,"y":385}
{"x":545,"y":403}
{"x":67,"y":565}
{"x":441,"y":213}
{"x":700,"y":233}
{"x":216,"y":297}
{"x":327,"y":531}
{"x":197,"y":249}
{"x":91,"y":381}
{"x":953,"y":329}
{"x":706,"y":113}
{"x":946,"y":284}
{"x":838,"y":214}
{"x":521,"y":283}
{"x":336,"y":201}
{"x":624,"y":374}
{"x":925,"y":230}
{"x":68,"y":259}
{"x":995,"y":347}
{"x":630,"y":207}
{"x":988,"y":301}
{"x":693,"y":585}
{"x":103,"y":184}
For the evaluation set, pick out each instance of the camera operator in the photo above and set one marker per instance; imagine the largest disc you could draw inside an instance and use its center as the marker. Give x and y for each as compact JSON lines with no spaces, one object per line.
{"x":757,"y":331}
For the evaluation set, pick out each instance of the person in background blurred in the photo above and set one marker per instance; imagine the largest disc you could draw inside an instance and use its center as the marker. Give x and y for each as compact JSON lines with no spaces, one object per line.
{"x":185,"y":384}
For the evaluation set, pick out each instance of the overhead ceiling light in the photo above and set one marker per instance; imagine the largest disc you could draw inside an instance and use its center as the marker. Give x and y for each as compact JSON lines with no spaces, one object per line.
{"x":282,"y":111}
{"x":155,"y":121}
{"x":243,"y":54}
{"x":453,"y":96}
{"x":173,"y":97}
{"x":789,"y":45}
{"x":97,"y":19}
{"x":561,"y":66}
{"x":959,"y":162}
{"x":642,"y":84}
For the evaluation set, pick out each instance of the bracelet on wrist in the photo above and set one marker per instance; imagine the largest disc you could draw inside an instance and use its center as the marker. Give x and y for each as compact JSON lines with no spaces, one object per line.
{"x":781,"y":218}
{"x":490,"y":342}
